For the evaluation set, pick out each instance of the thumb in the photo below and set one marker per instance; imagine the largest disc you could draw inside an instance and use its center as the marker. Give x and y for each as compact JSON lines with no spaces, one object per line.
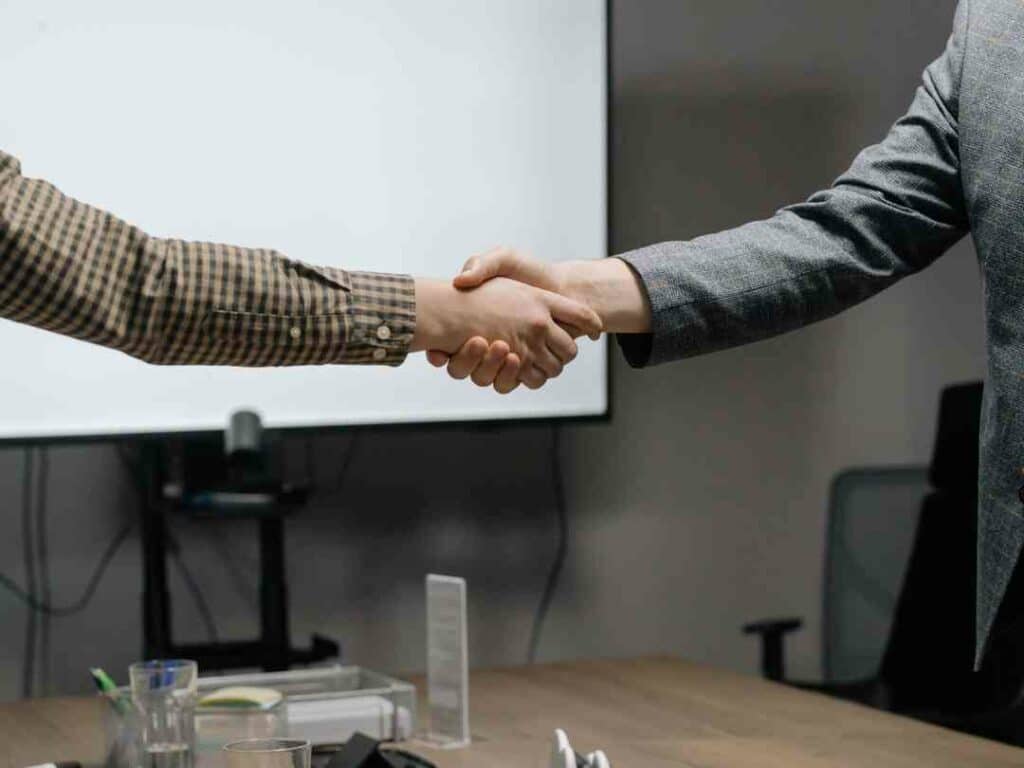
{"x":475,"y":271}
{"x":576,"y":333}
{"x":504,"y":262}
{"x":570,"y":312}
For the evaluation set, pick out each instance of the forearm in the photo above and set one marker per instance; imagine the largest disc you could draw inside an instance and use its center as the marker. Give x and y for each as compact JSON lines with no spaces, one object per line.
{"x":614,"y":290}
{"x":72,"y":269}
{"x":896,"y":210}
{"x":769,"y":277}
{"x":258,"y":308}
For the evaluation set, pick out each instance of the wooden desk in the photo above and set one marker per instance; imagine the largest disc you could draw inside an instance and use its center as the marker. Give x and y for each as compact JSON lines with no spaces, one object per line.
{"x":649,"y":713}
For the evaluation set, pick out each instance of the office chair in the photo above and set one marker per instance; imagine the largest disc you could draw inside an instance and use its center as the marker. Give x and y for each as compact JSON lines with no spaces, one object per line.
{"x":873,"y":515}
{"x":900,"y":587}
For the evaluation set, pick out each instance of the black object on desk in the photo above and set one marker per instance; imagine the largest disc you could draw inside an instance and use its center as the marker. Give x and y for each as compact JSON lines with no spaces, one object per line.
{"x":227,"y":476}
{"x":361,"y":751}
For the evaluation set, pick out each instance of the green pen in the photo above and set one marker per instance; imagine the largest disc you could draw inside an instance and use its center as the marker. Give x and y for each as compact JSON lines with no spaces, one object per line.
{"x":108,"y":688}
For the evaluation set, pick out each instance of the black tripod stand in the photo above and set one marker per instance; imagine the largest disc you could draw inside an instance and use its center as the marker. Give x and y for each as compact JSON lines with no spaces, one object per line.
{"x":222,"y":477}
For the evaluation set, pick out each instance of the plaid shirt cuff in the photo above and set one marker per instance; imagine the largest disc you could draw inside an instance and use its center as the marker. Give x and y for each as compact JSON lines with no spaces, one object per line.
{"x":380,"y":318}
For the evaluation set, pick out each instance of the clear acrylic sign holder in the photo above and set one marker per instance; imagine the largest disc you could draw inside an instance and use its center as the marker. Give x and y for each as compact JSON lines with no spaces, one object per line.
{"x":447,"y":662}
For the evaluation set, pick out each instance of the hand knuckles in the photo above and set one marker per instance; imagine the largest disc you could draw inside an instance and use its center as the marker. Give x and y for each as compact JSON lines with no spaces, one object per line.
{"x":537,"y":325}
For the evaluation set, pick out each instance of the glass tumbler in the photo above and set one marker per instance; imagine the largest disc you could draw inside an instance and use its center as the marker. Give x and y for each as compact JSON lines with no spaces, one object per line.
{"x":164,"y":695}
{"x":268,"y":753}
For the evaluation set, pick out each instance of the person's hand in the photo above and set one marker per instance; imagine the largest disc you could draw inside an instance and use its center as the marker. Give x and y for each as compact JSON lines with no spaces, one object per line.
{"x":508,"y":262}
{"x":531,"y":321}
{"x":608,"y":286}
{"x":485,"y":364}
{"x":475,"y":359}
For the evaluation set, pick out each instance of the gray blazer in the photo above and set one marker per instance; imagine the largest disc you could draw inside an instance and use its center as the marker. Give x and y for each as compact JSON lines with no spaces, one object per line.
{"x":953,"y":164}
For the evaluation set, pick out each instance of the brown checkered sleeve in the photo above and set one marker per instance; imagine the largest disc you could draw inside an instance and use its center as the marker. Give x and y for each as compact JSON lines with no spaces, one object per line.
{"x":75,"y":270}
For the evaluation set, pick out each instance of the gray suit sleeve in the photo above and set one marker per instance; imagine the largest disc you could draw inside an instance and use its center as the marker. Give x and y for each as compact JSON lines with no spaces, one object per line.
{"x":896,"y":210}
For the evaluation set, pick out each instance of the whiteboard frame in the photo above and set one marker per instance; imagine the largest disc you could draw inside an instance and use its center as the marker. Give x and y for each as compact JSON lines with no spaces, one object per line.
{"x":11,"y":441}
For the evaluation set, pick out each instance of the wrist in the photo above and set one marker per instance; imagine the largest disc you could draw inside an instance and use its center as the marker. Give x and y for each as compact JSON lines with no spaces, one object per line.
{"x":436,"y":301}
{"x":612,"y":289}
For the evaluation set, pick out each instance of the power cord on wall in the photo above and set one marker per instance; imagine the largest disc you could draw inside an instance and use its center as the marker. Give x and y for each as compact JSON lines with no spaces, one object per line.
{"x":562,"y":546}
{"x":28,"y":557}
{"x":37,"y":596}
{"x":38,"y":607}
{"x":240,"y":575}
{"x":355,"y":435}
{"x":133,"y":468}
{"x":37,"y":593}
{"x":202,"y":606}
{"x":43,"y":554}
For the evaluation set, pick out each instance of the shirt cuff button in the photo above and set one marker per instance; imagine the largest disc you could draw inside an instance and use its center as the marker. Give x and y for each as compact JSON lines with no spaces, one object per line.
{"x":379,"y":353}
{"x":383,"y":333}
{"x":295,"y":332}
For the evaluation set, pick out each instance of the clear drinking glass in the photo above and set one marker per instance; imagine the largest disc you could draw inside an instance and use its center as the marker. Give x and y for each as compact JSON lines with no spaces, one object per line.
{"x":268,"y":753}
{"x":121,"y":728}
{"x":164,"y":695}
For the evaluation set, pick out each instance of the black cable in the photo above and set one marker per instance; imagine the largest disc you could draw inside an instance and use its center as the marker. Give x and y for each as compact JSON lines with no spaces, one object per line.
{"x":346,"y":463}
{"x":133,"y":470}
{"x":90,"y":590}
{"x":241,"y":581}
{"x":28,"y":555}
{"x":205,"y":614}
{"x":562,"y":514}
{"x":310,"y":462}
{"x":353,"y":442}
{"x":43,"y":554}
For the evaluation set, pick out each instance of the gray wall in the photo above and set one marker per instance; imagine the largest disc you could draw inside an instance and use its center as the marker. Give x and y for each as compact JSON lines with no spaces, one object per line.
{"x":702,"y":504}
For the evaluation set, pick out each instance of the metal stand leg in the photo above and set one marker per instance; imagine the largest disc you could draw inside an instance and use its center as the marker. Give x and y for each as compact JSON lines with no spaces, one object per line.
{"x":272,"y":650}
{"x":156,"y":624}
{"x":274,"y":595}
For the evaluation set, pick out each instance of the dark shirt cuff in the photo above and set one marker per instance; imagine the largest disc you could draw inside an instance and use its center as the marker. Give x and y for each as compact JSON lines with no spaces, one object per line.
{"x":636,"y":348}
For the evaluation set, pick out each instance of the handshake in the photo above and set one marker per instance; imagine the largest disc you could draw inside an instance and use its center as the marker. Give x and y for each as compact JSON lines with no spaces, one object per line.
{"x":508,"y":320}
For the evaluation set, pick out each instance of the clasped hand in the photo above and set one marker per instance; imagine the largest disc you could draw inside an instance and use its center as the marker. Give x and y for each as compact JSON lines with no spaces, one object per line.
{"x":505,"y":320}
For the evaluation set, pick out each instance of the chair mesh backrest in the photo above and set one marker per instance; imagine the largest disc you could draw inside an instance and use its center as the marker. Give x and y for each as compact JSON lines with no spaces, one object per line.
{"x":873,"y":516}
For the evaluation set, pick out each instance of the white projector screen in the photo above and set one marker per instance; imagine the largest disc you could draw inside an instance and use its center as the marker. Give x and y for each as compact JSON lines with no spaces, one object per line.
{"x":387,"y":135}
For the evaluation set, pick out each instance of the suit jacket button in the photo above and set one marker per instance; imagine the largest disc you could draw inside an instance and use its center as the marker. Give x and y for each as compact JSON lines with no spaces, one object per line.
{"x":1020,"y":494}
